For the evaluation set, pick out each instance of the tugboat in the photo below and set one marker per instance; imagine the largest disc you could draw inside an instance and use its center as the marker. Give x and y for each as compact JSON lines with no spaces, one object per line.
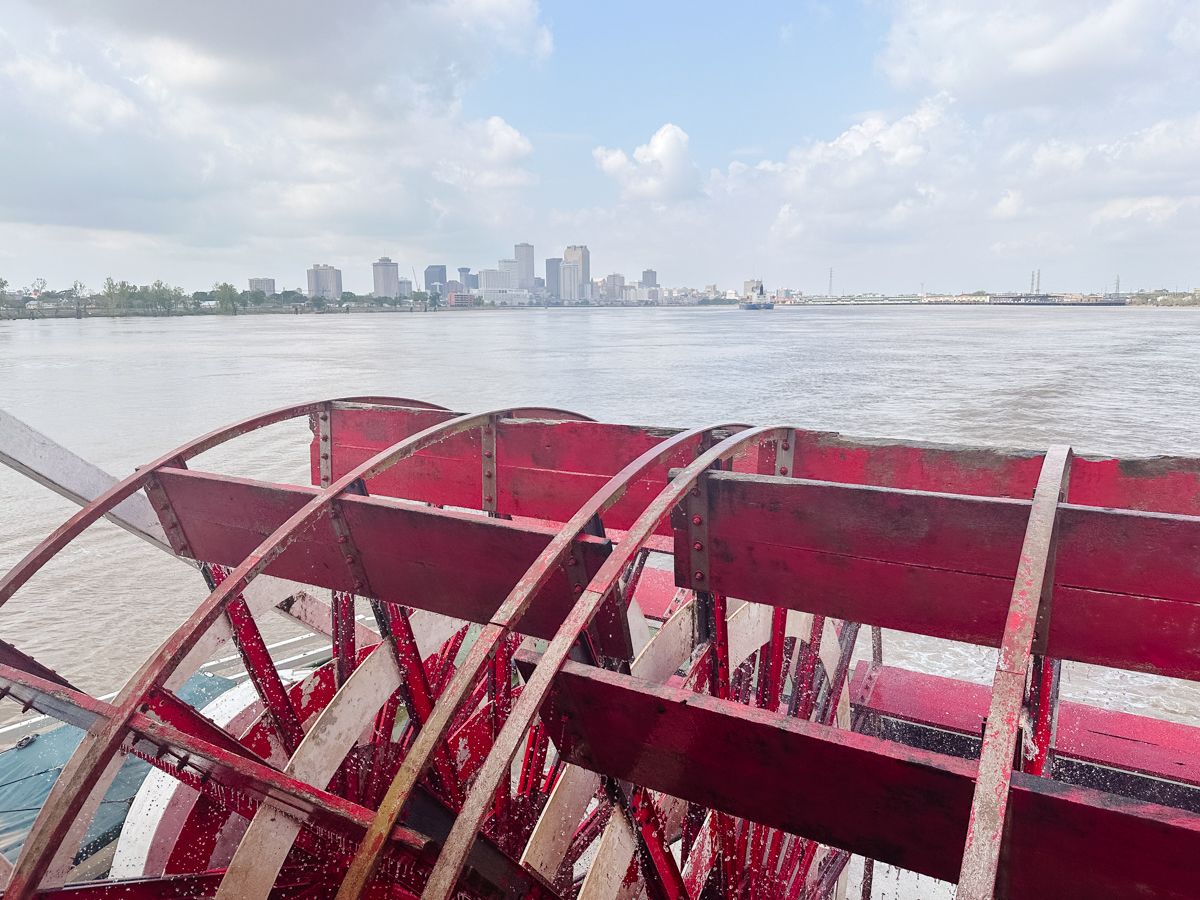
{"x":756,"y":300}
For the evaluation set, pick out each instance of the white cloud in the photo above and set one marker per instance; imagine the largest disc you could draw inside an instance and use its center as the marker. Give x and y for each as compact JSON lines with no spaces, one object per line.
{"x":660,"y":170}
{"x":1153,"y":209}
{"x":233,"y":122}
{"x":1009,"y":205}
{"x":1026,"y":52}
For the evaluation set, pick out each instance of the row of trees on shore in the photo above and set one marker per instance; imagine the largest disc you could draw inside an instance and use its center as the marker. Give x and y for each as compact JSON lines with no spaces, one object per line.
{"x":161,"y":298}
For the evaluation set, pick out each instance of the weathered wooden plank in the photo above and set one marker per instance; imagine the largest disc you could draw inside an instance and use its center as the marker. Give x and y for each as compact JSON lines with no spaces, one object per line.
{"x":1125,"y":582}
{"x":456,"y":564}
{"x":896,"y":804}
{"x":1156,"y":484}
{"x":1104,"y":737}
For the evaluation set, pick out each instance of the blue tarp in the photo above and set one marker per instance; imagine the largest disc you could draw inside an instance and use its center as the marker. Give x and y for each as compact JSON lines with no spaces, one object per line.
{"x":28,"y":773}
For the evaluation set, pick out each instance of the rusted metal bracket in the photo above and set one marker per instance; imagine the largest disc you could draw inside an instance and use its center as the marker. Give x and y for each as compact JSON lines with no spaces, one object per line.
{"x":489,"y":467}
{"x":325,"y":442}
{"x":1033,"y":586}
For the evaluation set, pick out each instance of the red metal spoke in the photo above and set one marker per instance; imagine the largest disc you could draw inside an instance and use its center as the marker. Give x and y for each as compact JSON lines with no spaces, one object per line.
{"x":1043,"y":710}
{"x":261,"y":668}
{"x":343,"y":621}
{"x":804,"y":695}
{"x":178,"y":714}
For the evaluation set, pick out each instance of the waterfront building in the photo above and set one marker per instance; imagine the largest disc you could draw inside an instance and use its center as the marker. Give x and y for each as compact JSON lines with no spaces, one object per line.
{"x":552,"y":280}
{"x":387,"y":278}
{"x":325,"y":281}
{"x":493,"y":280}
{"x":266,"y":285}
{"x":434,"y":275}
{"x":404,"y":287}
{"x":503,"y":296}
{"x":510,"y":266}
{"x":569,"y":281}
{"x":578,"y":253}
{"x":524,"y":258}
{"x":614,"y":287}
{"x":649,"y":279}
{"x":752,"y":288}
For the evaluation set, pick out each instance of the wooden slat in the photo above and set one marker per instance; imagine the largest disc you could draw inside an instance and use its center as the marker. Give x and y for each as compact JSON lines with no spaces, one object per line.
{"x":1125,"y":584}
{"x":1166,"y":484}
{"x":903,"y":806}
{"x":1104,"y":737}
{"x":456,"y":564}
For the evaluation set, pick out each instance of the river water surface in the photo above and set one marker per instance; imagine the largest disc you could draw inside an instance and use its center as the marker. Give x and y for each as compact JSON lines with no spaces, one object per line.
{"x":120,"y":392}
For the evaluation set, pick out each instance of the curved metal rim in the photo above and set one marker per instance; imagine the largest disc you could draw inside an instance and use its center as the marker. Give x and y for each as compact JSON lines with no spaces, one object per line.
{"x":446,"y":870}
{"x":366,"y":861}
{"x":83,"y":769}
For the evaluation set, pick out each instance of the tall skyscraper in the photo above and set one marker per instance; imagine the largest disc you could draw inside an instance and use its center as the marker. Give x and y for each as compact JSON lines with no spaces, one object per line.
{"x":266,"y":285}
{"x":325,"y":281}
{"x":552,"y":281}
{"x":649,"y":278}
{"x":578,"y":253}
{"x":524,"y":256}
{"x":403,"y":288}
{"x":434,"y":275}
{"x":387,"y":277}
{"x":568,"y":282}
{"x":614,"y":285}
{"x":510,"y":266}
{"x":464,"y":276}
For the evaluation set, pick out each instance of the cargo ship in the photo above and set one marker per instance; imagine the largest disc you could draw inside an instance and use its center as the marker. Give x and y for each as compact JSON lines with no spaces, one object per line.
{"x":560,"y":658}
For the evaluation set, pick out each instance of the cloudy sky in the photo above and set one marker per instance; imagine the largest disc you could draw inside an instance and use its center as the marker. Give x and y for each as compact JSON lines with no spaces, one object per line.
{"x":950,"y":145}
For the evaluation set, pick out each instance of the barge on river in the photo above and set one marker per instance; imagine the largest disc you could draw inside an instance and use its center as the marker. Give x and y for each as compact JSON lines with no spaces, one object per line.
{"x":570,"y":659}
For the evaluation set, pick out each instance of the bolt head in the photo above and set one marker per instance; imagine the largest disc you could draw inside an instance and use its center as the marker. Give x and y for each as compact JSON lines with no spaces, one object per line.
{"x":487,"y":498}
{"x":324,"y":418}
{"x":487,"y":453}
{"x":783,"y":470}
{"x":699,"y":576}
{"x":349,"y":560}
{"x":787,"y":446}
{"x":572,"y":561}
{"x":696,"y":520}
{"x":698,"y":545}
{"x":578,"y":588}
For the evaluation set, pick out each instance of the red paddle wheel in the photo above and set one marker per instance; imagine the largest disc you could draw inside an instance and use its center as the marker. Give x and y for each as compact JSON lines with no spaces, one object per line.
{"x":608,"y":661}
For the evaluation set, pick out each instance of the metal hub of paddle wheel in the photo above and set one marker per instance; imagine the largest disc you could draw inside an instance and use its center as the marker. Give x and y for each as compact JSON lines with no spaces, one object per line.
{"x":608,"y":661}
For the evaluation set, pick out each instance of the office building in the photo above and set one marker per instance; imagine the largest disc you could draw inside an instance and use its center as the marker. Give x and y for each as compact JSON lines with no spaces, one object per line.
{"x":510,"y":266}
{"x":752,"y":288}
{"x":387,"y":278}
{"x":552,"y":282}
{"x":324,"y":281}
{"x":614,"y":287}
{"x":266,"y":285}
{"x":404,"y":288}
{"x":578,"y":253}
{"x":568,"y":282}
{"x":493,"y":280}
{"x":434,"y":275}
{"x":470,"y":282}
{"x":524,"y":257}
{"x":649,"y":278}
